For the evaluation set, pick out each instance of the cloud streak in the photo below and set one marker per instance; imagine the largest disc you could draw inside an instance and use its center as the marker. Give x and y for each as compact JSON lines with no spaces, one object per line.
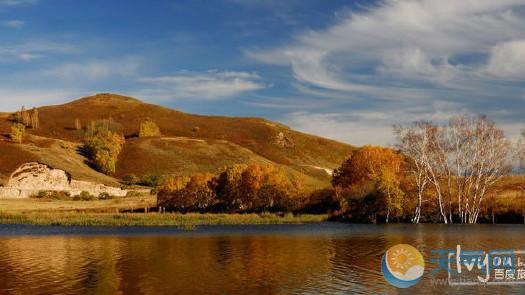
{"x":14,"y":24}
{"x":32,"y":50}
{"x":93,"y":70}
{"x":212,"y":85}
{"x":17,"y":2}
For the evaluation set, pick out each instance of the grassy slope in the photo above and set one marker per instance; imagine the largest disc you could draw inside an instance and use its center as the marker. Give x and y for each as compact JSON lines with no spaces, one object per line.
{"x":226,"y":140}
{"x":55,"y":153}
{"x":186,"y":156}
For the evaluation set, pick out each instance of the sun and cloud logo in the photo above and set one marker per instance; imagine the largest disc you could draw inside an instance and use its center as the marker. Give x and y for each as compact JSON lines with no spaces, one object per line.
{"x":402,"y":265}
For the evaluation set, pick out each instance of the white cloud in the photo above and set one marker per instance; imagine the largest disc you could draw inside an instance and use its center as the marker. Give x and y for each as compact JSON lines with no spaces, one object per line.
{"x":507,"y":60}
{"x":399,"y":61}
{"x":338,"y":126}
{"x":207,"y":86}
{"x":14,"y":24}
{"x":400,"y":42}
{"x":366,"y":126}
{"x":93,"y":70}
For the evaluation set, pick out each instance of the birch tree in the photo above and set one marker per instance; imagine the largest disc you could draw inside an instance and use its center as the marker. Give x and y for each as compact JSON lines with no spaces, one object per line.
{"x":470,"y":153}
{"x":520,"y":149}
{"x":413,"y":142}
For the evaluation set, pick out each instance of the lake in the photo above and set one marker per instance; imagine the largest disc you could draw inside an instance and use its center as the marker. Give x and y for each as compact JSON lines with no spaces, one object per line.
{"x":326,"y":258}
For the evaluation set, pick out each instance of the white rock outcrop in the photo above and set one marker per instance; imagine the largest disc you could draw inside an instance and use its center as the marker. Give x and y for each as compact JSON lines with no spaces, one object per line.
{"x":31,"y":178}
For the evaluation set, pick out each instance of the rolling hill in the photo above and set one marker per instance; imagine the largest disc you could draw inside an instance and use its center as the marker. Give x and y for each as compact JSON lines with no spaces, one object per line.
{"x":189,"y":143}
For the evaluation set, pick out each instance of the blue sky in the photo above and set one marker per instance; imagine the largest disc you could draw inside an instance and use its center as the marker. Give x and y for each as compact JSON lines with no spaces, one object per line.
{"x":347,"y":70}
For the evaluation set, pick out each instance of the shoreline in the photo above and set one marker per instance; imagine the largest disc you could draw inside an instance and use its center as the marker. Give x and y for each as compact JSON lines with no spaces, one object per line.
{"x":185,"y":221}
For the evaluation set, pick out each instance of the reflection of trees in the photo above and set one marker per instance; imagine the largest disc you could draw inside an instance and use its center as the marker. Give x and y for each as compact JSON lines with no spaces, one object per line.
{"x":224,"y":265}
{"x":164,"y":264}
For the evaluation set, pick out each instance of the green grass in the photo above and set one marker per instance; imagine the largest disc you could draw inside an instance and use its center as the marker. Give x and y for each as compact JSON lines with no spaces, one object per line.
{"x":185,"y":221}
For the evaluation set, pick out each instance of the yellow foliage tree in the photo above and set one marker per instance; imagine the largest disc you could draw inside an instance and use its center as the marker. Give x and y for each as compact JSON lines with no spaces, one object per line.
{"x":148,"y":128}
{"x":34,"y":118}
{"x":17,"y":132}
{"x":78,"y":125}
{"x":26,"y":118}
{"x":103,"y":147}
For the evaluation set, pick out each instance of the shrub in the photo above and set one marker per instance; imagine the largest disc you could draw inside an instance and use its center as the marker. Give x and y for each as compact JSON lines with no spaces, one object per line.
{"x":133,"y":194}
{"x":105,"y":196}
{"x":148,"y":128}
{"x":52,"y":195}
{"x":131,"y":179}
{"x":151,"y":180}
{"x":84,"y":196}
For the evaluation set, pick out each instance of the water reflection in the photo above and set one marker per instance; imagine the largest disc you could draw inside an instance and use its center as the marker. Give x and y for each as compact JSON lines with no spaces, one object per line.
{"x":305,"y":259}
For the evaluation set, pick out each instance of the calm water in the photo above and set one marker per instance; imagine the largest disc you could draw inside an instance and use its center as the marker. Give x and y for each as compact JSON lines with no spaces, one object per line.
{"x":277,"y":259}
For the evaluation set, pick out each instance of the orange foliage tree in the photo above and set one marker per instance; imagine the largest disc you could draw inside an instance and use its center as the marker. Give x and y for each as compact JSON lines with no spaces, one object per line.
{"x":373,"y":170}
{"x":188,"y":193}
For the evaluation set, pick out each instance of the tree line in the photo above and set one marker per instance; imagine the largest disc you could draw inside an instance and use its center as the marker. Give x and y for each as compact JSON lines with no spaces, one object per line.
{"x":445,"y":170}
{"x":239,"y":188}
{"x":23,"y":119}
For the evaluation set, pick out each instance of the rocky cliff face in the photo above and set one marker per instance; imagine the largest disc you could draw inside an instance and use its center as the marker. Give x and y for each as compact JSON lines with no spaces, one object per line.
{"x":31,"y":178}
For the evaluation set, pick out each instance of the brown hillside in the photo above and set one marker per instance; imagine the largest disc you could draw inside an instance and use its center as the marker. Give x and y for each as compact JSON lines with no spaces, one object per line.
{"x":182,"y":156}
{"x":226,"y":139}
{"x":258,"y":135}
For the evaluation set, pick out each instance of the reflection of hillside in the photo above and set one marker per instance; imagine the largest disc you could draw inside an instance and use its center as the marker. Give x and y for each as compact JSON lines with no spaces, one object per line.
{"x":53,"y":264}
{"x":223,"y":265}
{"x":163,"y":264}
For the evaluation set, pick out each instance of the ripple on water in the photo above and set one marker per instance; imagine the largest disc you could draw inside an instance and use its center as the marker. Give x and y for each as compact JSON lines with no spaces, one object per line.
{"x":301,"y":259}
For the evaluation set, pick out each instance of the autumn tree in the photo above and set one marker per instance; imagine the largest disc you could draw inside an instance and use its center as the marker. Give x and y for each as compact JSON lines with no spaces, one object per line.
{"x":264,"y":187}
{"x":201,"y":190}
{"x":17,"y":132}
{"x":228,"y":186}
{"x":413,"y":143}
{"x":188,"y":193}
{"x":520,"y":149}
{"x":170,"y":195}
{"x":25,"y":116}
{"x":78,"y":124}
{"x":466,"y":158}
{"x":388,"y":184}
{"x":373,"y":170}
{"x":102,"y":144}
{"x":17,"y":117}
{"x":34,"y":118}
{"x":148,"y":128}
{"x":258,"y":188}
